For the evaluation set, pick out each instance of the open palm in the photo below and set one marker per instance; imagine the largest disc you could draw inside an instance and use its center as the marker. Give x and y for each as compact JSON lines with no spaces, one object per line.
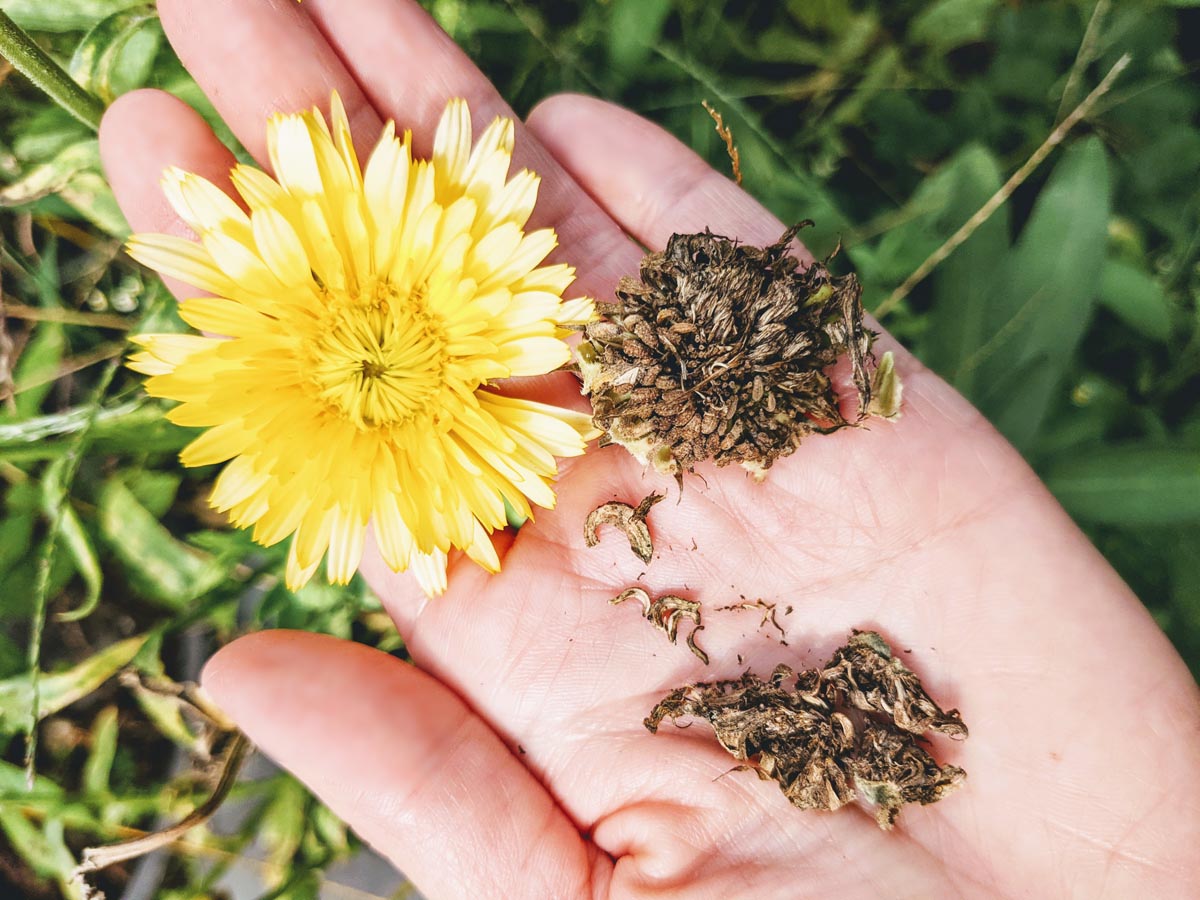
{"x":514,"y":762}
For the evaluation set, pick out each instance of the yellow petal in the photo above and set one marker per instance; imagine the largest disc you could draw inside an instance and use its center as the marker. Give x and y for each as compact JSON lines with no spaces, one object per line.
{"x":180,"y":259}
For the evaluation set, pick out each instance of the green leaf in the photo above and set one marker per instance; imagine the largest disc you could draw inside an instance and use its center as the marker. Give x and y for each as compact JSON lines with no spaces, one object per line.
{"x":36,"y":369}
{"x":961,"y":284}
{"x":74,"y":539}
{"x":284,"y":821}
{"x":61,"y":689}
{"x":137,"y":427}
{"x":44,"y":849}
{"x":15,"y":786}
{"x":635,"y":28}
{"x":1130,"y":485}
{"x":947,"y":24}
{"x":98,"y":767}
{"x":1136,"y":298}
{"x":166,"y":715}
{"x":164,"y":570}
{"x":1042,"y":300}
{"x":62,"y":15}
{"x":154,"y":490}
{"x":98,"y":56}
{"x":92,"y":197}
{"x":21,"y":505}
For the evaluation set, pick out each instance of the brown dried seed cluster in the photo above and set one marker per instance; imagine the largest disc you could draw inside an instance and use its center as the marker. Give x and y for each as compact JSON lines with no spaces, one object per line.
{"x":720,"y":351}
{"x":851,"y":727}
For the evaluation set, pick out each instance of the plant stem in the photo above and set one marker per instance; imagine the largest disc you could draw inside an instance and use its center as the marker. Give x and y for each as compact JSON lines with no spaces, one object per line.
{"x":1001,"y":196}
{"x":59,"y":497}
{"x":35,"y":64}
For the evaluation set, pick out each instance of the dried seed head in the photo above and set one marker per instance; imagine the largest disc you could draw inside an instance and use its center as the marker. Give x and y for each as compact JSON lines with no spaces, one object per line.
{"x":720,"y":351}
{"x":842,"y":731}
{"x":865,"y":675}
{"x":891,"y":769}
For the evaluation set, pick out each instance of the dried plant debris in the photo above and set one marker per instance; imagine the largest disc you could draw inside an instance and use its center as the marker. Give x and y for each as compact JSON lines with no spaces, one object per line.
{"x":852,"y":728}
{"x":721,"y":351}
{"x":865,"y":675}
{"x":629,"y":520}
{"x":886,"y":389}
{"x":723,"y":130}
{"x":768,"y":614}
{"x":665,"y":613}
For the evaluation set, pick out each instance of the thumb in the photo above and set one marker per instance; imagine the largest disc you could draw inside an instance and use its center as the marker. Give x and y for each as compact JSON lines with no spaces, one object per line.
{"x":406,"y":764}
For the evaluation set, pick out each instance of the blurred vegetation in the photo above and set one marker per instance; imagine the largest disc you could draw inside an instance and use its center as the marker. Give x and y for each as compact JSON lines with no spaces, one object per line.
{"x":1070,"y":318}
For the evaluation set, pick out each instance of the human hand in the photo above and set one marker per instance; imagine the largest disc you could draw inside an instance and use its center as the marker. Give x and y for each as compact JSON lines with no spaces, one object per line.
{"x":513,"y":762}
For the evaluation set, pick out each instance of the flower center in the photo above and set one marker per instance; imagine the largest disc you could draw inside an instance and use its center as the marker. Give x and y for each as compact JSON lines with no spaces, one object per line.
{"x":378,"y":361}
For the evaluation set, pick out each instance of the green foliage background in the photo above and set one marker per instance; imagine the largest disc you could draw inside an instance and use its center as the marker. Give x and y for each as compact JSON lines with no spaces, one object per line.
{"x":1070,"y":318}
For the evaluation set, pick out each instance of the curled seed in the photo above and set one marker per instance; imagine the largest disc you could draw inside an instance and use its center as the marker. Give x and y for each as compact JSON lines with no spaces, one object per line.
{"x":622,"y":517}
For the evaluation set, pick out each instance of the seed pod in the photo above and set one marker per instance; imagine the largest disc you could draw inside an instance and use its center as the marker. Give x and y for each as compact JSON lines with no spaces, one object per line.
{"x":741,"y":340}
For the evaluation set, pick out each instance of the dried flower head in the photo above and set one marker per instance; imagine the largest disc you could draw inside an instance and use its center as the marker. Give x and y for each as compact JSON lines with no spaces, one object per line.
{"x":853,"y":726}
{"x":359,"y":317}
{"x":721,"y":351}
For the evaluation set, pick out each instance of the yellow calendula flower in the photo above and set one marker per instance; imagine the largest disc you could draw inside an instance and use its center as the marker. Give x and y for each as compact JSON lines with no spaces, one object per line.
{"x":357,"y":320}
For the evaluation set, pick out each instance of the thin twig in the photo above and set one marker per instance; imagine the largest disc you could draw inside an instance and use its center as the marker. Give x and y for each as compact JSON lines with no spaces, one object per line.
{"x":1087,"y":52}
{"x":768,"y":614}
{"x":97,"y":858}
{"x":266,"y":870}
{"x":1001,"y":196}
{"x":735,"y":158}
{"x":66,"y":316}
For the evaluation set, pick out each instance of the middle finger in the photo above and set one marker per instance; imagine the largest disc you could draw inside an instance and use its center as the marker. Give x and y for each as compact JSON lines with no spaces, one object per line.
{"x":387,"y":59}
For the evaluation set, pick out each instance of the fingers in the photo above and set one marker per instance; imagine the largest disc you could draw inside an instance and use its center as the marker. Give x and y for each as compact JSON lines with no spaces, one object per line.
{"x":257,"y":57}
{"x":400,"y":758}
{"x":142,"y":134}
{"x":409,"y":68}
{"x":643,"y":177}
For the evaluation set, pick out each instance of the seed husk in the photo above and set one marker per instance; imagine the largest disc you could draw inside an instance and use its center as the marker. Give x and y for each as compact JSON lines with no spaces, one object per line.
{"x":665,"y":613}
{"x":850,"y":730}
{"x":629,"y":520}
{"x":720,"y":351}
